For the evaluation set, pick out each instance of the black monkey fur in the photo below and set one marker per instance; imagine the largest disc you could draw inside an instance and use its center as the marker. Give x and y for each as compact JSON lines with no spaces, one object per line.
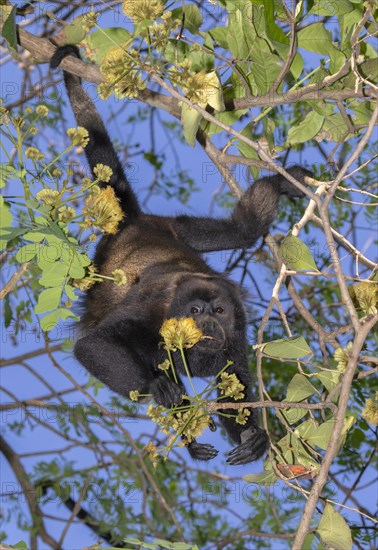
{"x":168,"y":278}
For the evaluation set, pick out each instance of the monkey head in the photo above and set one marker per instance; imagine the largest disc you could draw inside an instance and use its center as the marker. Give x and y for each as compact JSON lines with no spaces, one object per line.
{"x":214,"y":303}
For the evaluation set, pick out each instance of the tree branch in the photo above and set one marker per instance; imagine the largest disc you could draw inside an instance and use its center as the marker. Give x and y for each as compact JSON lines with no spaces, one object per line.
{"x":332,"y":450}
{"x":9,"y":286}
{"x":29,"y":493}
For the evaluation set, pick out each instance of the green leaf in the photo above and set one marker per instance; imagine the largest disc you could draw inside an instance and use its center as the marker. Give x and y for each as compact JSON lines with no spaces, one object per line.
{"x":295,"y":254}
{"x":306,"y":130}
{"x":74,"y":32}
{"x":307,"y":429}
{"x":265,"y":66}
{"x":190,"y":120}
{"x":323,"y":434}
{"x":177,"y":52}
{"x":7,"y":311}
{"x":309,"y":542}
{"x":294,"y":347}
{"x":334,"y":129}
{"x":48,"y":299}
{"x":212,"y":93}
{"x":369,"y":69}
{"x":21,"y":544}
{"x":7,"y":172}
{"x":219,"y":34}
{"x":315,"y":38}
{"x":6,"y":219}
{"x":299,"y":388}
{"x":192,"y":20}
{"x":297,"y":64}
{"x":140,"y":543}
{"x":293,"y":415}
{"x":50,"y":320}
{"x":240,"y":34}
{"x":54,"y":273}
{"x":26,"y":253}
{"x":9,"y":31}
{"x":329,"y":379}
{"x":337,"y":60}
{"x":327,"y":8}
{"x":70,"y":291}
{"x":333,"y":529}
{"x":266,"y":478}
{"x":101,"y":40}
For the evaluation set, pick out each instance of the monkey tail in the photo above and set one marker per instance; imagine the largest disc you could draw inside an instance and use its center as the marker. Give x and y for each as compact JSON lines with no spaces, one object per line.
{"x":100,"y":149}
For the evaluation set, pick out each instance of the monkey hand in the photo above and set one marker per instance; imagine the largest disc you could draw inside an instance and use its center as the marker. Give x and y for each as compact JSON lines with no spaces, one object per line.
{"x":254,"y":442}
{"x":165,"y":391}
{"x":288,"y":188}
{"x":202,"y":451}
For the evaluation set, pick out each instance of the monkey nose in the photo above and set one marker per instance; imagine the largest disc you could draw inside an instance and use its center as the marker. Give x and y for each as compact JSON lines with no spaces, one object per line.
{"x":210,"y":327}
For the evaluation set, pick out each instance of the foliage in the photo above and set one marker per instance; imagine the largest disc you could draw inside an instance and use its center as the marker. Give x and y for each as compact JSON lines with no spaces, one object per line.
{"x":249,"y":81}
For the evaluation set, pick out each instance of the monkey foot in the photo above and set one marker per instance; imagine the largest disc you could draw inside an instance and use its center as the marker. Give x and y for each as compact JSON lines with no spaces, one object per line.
{"x":202,"y":451}
{"x":255,"y":443}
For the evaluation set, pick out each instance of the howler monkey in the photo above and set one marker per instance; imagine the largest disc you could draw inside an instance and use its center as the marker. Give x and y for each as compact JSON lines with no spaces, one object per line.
{"x":166,"y":277}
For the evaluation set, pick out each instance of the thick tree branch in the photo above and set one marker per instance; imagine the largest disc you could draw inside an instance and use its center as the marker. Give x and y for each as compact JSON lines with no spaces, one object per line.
{"x":42,"y":50}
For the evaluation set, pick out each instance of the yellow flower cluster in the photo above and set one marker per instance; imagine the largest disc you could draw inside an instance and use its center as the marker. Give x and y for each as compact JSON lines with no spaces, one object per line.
{"x":34,"y":154}
{"x":190,"y":424}
{"x":365,"y":297}
{"x":66,"y":213}
{"x":370,"y":413}
{"x":341,"y":355}
{"x":156,"y":413}
{"x":134,"y":395}
{"x":86,"y":282}
{"x":242,"y":416}
{"x":120,"y":277}
{"x":102,"y":172}
{"x":153,"y":453}
{"x":159,"y":33}
{"x":165,"y":365}
{"x":4,"y":115}
{"x":230,"y":386}
{"x":194,"y":85}
{"x":102,"y":209}
{"x":180,"y":333}
{"x":79,"y":136}
{"x":89,"y":20}
{"x":48,"y":196}
{"x":139,"y":10}
{"x":42,"y":110}
{"x":119,"y":67}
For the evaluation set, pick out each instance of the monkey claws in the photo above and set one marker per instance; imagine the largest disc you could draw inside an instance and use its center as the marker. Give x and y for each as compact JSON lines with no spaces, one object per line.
{"x":254,"y":444}
{"x":202,"y":451}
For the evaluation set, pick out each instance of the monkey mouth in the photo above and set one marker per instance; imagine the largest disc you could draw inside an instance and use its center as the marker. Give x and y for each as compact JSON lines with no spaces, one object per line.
{"x":212,"y":343}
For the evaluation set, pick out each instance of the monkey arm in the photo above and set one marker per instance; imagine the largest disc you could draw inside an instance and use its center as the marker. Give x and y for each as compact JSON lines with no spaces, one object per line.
{"x":121,"y":355}
{"x":250,"y":219}
{"x":99,"y":149}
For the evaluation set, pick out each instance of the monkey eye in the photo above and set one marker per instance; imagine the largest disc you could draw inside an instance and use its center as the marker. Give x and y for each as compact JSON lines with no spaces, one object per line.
{"x":219,"y":309}
{"x":195,"y":310}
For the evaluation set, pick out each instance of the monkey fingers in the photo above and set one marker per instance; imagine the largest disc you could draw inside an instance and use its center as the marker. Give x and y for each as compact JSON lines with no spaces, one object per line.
{"x":202,"y":451}
{"x":251,"y":449}
{"x":165,"y":391}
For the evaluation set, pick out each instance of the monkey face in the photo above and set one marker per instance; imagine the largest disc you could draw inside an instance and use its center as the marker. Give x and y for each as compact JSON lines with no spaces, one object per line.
{"x":214,"y":303}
